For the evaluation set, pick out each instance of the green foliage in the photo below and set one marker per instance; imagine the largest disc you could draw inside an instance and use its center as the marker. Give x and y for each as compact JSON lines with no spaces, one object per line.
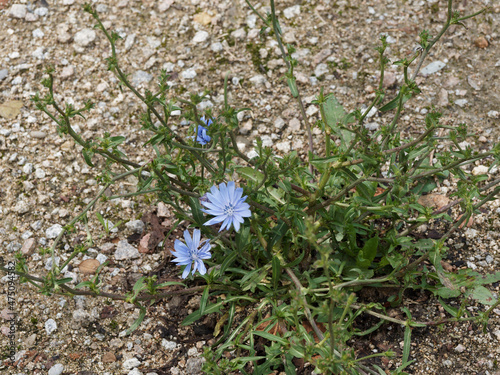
{"x":286,"y":285}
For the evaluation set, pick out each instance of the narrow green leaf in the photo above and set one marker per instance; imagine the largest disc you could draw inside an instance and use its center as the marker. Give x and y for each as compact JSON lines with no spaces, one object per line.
{"x":271,"y":337}
{"x":204,"y":299}
{"x":137,"y":322}
{"x":251,"y":174}
{"x":276,"y":272}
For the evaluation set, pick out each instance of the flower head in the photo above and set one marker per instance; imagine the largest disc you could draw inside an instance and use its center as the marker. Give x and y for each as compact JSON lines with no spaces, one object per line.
{"x":227,"y":205}
{"x":189,"y":253}
{"x":202,"y":137}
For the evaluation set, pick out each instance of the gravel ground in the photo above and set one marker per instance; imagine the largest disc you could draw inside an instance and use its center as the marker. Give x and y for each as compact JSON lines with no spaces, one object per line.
{"x":45,"y":181}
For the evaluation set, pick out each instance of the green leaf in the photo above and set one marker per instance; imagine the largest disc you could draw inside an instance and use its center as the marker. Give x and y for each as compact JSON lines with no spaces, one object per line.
{"x":483,"y":295}
{"x":407,"y":345}
{"x":368,"y":253}
{"x":204,"y":299}
{"x":63,"y":281}
{"x":228,"y":260}
{"x":251,"y":174}
{"x":137,"y":322}
{"x":271,"y":337}
{"x":394,"y":102}
{"x":87,"y":158}
{"x":451,"y":310}
{"x":84,"y":284}
{"x":334,"y":112}
{"x":335,"y":115}
{"x":276,"y":272}
{"x":214,"y":307}
{"x":169,"y":283}
{"x":198,"y":216}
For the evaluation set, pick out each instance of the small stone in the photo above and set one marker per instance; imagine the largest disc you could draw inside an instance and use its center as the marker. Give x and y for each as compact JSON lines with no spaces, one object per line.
{"x":216,"y":47}
{"x":28,"y":246}
{"x":312,"y":110}
{"x":3,"y":74}
{"x":13,"y":247}
{"x":247,"y":127}
{"x":39,"y":173}
{"x":474,"y":82}
{"x":30,"y":341}
{"x":164,"y":5}
{"x":279,"y":123}
{"x":194,"y":365}
{"x":267,"y":141}
{"x":452,"y":81}
{"x":28,"y":169}
{"x":50,"y":326}
{"x":163,"y":210}
{"x":480,"y":169}
{"x":481,"y":42}
{"x":22,"y":207}
{"x":125,"y":251}
{"x":80,"y":316}
{"x":37,"y":225}
{"x":53,"y":231}
{"x":471,"y":265}
{"x":459,"y":348}
{"x":38,"y":134}
{"x":63,"y":35}
{"x":57,"y":369}
{"x":372,"y":126}
{"x":89,"y":266}
{"x":239,"y":34}
{"x":258,"y":80}
{"x":18,"y":11}
{"x":48,"y":263}
{"x":433,"y":67}
{"x":188,"y":74}
{"x":169,"y":345}
{"x":321,"y":55}
{"x":202,"y":18}
{"x":201,"y":36}
{"x":294,"y":125}
{"x":141,"y":77}
{"x":443,"y":98}
{"x":389,"y":79}
{"x":101,"y":8}
{"x":131,"y":363}
{"x":108,"y":357}
{"x":284,"y":147}
{"x":67,"y":71}
{"x":292,"y":11}
{"x":471,"y":233}
{"x":493,"y":114}
{"x":447,"y":363}
{"x":129,"y":42}
{"x":321,"y":70}
{"x":101,"y":258}
{"x":136,"y":226}
{"x":461,"y":102}
{"x":42,"y":11}
{"x":84,"y":37}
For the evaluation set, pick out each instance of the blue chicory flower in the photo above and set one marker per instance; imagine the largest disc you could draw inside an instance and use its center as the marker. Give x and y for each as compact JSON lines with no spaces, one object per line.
{"x":202,"y":137}
{"x":189,"y":253}
{"x":227,"y":205}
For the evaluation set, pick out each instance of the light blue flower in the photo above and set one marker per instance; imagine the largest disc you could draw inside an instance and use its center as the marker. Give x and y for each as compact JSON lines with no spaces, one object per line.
{"x":189,"y":253}
{"x":202,"y":137}
{"x":227,"y":205}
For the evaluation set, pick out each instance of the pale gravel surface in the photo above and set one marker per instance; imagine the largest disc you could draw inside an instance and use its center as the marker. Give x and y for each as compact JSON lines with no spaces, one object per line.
{"x":45,"y":181}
